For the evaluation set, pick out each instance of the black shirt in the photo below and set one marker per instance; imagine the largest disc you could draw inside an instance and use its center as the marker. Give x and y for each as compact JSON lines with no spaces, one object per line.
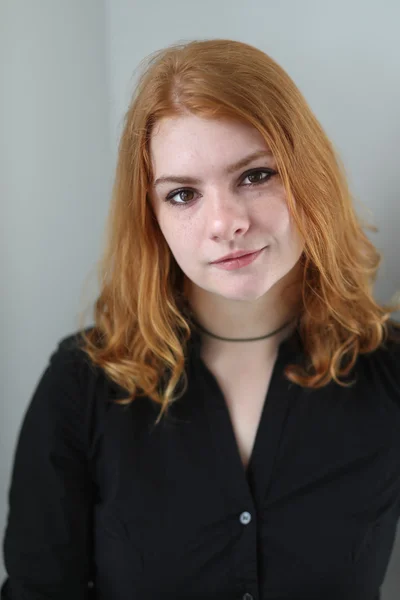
{"x":105,"y":505}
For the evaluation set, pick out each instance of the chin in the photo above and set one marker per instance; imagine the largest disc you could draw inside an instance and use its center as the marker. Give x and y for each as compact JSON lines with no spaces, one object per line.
{"x":249,"y":294}
{"x":249,"y":291}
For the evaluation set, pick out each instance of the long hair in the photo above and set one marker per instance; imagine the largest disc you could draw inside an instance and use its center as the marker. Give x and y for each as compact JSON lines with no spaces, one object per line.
{"x":142,"y":322}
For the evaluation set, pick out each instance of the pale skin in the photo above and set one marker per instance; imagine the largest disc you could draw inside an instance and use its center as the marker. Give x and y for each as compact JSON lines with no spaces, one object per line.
{"x":218,"y":214}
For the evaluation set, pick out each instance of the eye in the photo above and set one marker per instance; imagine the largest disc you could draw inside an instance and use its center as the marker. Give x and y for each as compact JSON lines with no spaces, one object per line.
{"x":182,"y":195}
{"x":260,"y":176}
{"x":186,"y":195}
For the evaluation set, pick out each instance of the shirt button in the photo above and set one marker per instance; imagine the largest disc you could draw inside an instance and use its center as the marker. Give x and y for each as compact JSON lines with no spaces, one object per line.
{"x":245,"y":519}
{"x":248,"y":596}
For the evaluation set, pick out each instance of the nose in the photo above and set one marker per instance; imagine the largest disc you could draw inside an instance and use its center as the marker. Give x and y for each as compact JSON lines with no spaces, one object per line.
{"x":227,"y":216}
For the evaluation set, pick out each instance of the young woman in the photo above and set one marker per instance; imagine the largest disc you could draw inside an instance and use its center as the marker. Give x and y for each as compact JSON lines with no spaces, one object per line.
{"x":229,"y":427}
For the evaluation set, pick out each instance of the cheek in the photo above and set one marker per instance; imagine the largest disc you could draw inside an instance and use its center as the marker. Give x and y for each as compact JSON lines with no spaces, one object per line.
{"x":277,"y":221}
{"x":272,"y":214}
{"x":179,"y":236}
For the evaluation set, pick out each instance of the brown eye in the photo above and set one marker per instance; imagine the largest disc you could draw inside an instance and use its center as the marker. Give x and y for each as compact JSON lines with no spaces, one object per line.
{"x":255,"y":177}
{"x":185,"y":196}
{"x":258,"y":176}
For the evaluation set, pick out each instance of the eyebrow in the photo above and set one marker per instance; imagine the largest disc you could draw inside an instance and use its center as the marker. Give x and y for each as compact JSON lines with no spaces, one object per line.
{"x":229,"y":170}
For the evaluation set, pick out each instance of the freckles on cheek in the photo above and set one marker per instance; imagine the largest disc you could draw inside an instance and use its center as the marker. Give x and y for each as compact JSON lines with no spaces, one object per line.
{"x":184,"y":241}
{"x":177,"y":230}
{"x":179,"y":238}
{"x":184,"y":229}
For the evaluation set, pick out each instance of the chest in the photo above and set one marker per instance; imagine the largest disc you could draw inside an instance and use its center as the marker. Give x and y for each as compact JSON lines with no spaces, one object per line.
{"x":322,"y":494}
{"x":245,"y":395}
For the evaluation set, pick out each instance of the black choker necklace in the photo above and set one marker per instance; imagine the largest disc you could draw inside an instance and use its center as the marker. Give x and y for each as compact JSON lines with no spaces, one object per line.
{"x":263,"y":337}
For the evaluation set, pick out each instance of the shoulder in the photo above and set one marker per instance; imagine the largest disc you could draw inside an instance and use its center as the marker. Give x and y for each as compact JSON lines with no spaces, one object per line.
{"x":70,"y":363}
{"x":73,"y":361}
{"x":69,"y":366}
{"x":71,"y":393}
{"x":384,"y":363}
{"x":65,"y":377}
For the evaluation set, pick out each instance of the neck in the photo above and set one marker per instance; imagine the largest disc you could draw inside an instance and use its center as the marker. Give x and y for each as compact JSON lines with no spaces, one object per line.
{"x":243,"y":320}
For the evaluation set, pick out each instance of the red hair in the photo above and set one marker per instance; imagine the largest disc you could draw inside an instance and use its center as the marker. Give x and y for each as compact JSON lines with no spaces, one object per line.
{"x":141,"y":322}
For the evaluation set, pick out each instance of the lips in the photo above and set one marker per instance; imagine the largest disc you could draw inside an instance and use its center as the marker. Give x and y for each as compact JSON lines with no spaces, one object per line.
{"x":239,"y":261}
{"x":235,"y":255}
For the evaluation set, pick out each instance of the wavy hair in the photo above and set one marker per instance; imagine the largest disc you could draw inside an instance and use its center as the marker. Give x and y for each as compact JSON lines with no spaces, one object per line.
{"x":142,"y":321}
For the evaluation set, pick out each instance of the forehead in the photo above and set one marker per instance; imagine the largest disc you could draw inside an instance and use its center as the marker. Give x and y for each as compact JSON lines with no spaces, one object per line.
{"x":188,"y":140}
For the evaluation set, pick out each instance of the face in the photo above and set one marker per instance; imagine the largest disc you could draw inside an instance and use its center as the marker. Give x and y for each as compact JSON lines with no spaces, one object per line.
{"x":216,"y":191}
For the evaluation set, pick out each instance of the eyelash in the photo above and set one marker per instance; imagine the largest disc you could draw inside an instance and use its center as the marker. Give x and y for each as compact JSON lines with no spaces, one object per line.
{"x":269,"y":172}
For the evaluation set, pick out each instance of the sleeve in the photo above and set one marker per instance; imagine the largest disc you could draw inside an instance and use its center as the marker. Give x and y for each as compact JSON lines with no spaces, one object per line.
{"x":47,"y":542}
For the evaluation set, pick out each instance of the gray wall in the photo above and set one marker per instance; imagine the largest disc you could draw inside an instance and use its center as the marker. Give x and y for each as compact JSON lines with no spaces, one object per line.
{"x":55,"y":173}
{"x":67,"y":71}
